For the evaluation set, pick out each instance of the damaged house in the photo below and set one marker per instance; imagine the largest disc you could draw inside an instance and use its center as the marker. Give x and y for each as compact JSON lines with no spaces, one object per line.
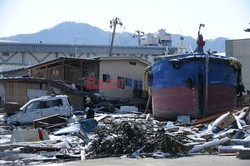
{"x":113,"y":77}
{"x":21,"y":90}
{"x":119,"y":77}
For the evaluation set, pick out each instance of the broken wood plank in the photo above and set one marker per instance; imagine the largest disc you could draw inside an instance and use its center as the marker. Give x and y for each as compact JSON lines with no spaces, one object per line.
{"x":101,"y":117}
{"x":51,"y":126}
{"x":25,"y":144}
{"x":208,"y":119}
{"x":215,"y":116}
{"x":40,"y":148}
{"x":47,"y":122}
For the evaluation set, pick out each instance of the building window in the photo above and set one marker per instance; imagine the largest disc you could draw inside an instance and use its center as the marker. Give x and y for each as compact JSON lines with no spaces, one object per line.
{"x":132,"y":63}
{"x":120,"y":83}
{"x":128,"y":82}
{"x":5,"y":53}
{"x":135,"y":84}
{"x":55,"y":72}
{"x":139,"y":85}
{"x":106,"y":78}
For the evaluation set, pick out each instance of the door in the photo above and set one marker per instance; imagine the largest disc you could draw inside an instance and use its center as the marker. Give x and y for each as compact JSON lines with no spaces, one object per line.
{"x":51,"y":107}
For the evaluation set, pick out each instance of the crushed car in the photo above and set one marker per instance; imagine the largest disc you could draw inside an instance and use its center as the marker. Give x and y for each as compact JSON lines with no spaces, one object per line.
{"x":41,"y":107}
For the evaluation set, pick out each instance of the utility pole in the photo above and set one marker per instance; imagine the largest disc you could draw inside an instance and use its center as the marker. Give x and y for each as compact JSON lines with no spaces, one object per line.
{"x":138,"y":34}
{"x":113,"y":24}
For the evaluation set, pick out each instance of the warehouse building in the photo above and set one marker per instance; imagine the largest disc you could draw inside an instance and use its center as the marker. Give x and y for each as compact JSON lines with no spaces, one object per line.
{"x":240,"y":49}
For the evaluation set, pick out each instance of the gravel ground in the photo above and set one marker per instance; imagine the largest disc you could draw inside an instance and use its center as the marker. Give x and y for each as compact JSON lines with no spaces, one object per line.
{"x":197,"y":160}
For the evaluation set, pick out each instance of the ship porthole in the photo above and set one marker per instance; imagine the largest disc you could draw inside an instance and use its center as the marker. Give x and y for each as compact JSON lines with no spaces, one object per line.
{"x":176,"y":64}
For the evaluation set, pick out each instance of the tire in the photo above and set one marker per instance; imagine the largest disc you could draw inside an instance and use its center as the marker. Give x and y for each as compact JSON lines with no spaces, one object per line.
{"x":15,"y":123}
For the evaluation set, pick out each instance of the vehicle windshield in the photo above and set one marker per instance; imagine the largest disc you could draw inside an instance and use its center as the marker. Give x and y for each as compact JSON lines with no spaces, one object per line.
{"x":34,"y":105}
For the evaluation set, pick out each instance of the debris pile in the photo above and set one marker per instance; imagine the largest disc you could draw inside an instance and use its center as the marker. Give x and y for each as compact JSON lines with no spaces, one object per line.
{"x":131,"y":135}
{"x":133,"y":138}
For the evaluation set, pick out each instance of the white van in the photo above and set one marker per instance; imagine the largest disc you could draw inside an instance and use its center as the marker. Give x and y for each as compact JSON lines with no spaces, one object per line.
{"x":41,"y":107}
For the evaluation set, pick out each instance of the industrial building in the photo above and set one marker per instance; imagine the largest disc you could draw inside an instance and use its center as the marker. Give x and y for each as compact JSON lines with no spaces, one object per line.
{"x":14,"y":54}
{"x":240,"y":49}
{"x":161,"y":38}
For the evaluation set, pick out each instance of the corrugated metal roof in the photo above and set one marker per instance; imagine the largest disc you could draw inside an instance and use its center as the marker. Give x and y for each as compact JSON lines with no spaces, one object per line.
{"x":232,"y":40}
{"x":91,"y":59}
{"x":68,"y":48}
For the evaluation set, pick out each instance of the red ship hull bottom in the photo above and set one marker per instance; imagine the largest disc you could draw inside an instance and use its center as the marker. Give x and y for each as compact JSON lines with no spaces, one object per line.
{"x":170,"y":102}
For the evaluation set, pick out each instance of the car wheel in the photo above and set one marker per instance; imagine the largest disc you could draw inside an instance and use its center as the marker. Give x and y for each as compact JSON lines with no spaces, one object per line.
{"x":16,"y":123}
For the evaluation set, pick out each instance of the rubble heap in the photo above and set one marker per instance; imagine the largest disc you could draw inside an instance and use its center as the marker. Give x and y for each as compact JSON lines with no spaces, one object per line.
{"x":130,"y":135}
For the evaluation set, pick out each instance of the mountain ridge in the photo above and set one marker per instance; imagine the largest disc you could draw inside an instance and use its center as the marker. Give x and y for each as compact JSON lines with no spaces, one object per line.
{"x":83,"y":33}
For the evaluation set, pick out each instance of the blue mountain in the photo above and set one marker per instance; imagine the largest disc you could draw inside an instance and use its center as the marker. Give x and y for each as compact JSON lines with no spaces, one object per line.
{"x":82,"y":33}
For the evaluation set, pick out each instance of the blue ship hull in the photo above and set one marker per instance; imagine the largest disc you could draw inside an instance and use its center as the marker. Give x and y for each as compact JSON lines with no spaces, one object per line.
{"x":194,"y":85}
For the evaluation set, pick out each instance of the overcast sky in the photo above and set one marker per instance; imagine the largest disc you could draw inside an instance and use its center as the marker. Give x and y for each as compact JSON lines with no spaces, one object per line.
{"x":223,"y":18}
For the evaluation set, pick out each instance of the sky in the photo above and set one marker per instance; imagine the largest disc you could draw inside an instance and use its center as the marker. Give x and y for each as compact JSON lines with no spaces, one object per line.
{"x":222,"y":18}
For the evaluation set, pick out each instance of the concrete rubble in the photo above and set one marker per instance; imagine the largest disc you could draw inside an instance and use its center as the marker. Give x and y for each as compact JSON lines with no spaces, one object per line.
{"x":134,"y":135}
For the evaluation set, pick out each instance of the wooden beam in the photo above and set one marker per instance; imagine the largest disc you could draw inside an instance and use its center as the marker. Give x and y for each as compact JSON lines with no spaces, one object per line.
{"x":47,"y":73}
{"x":81,"y":65}
{"x":63,"y":70}
{"x":208,"y":119}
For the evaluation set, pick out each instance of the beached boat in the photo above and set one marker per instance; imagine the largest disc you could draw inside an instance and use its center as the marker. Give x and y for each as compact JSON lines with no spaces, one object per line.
{"x":197,"y":84}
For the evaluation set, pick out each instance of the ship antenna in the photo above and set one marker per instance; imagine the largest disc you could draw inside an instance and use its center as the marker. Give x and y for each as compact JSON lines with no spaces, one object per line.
{"x":200,"y":41}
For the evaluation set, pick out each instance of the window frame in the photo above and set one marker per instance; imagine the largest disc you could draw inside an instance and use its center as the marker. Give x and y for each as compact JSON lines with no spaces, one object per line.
{"x":128,"y":82}
{"x":106,"y":78}
{"x":120,"y":86}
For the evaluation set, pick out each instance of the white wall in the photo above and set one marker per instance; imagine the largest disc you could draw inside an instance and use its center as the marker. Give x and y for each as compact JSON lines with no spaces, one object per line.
{"x":121,"y":68}
{"x":240,"y":49}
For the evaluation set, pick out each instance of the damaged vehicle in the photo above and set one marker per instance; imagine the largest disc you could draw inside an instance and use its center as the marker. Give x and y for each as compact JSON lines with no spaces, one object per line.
{"x":41,"y":107}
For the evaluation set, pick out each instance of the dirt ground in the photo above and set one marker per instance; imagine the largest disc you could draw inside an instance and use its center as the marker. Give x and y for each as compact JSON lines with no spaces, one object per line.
{"x":197,"y":160}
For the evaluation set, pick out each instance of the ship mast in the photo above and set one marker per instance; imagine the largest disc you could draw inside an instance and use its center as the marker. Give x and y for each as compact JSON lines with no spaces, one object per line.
{"x":113,"y":24}
{"x":200,"y":50}
{"x":200,"y":41}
